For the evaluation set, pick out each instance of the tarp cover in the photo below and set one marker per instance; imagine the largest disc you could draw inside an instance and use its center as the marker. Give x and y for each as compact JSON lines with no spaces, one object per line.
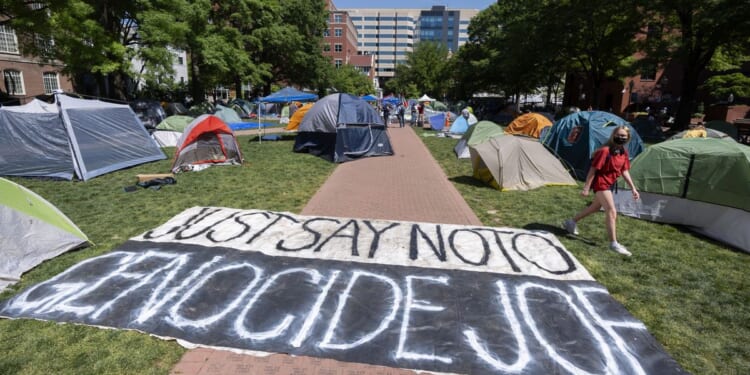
{"x":288,"y":94}
{"x":32,"y":230}
{"x":512,"y":162}
{"x":431,"y":297}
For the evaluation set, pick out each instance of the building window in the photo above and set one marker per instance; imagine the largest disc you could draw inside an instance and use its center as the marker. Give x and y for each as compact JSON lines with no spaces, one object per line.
{"x":337,"y":18}
{"x":14,"y":82}
{"x":338,"y":47}
{"x":221,"y":93}
{"x":338,"y":32}
{"x":51,"y":82}
{"x":326,"y":33}
{"x":180,"y":60}
{"x":326,"y":47}
{"x":8,"y":40}
{"x":338,"y":63}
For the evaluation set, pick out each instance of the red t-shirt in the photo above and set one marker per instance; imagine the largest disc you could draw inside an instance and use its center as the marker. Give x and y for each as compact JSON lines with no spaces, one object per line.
{"x":608,"y":167}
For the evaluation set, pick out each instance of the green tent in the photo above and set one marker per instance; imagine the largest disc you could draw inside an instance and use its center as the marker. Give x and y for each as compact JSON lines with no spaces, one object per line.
{"x":32,"y":230}
{"x":703,"y":183}
{"x":176,"y":123}
{"x":480,"y":132}
{"x":169,"y":131}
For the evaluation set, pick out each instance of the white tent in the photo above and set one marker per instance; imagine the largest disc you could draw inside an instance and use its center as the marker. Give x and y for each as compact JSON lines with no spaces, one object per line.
{"x":72,"y":137}
{"x":425,"y":98}
{"x":32,"y":230}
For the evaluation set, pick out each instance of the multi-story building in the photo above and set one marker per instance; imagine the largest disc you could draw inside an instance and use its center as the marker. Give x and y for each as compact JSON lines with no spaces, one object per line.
{"x":25,"y":77}
{"x":389,"y":34}
{"x":340,"y":43}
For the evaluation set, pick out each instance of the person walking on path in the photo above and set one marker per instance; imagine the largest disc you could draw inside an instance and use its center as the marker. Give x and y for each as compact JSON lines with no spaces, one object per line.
{"x":609,"y":163}
{"x":401,"y":112}
{"x":386,"y":113}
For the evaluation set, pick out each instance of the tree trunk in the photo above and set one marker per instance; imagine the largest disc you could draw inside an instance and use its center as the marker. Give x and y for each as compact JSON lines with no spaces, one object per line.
{"x":687,"y":99}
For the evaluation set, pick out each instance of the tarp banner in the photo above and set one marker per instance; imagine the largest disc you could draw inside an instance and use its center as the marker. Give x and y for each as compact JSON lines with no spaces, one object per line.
{"x":454,"y":319}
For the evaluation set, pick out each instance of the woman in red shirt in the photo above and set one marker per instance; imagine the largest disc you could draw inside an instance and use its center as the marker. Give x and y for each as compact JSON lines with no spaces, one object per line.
{"x":608,"y":163}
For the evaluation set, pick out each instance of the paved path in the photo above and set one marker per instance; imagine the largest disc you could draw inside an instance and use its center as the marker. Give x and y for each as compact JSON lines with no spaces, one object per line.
{"x":408,"y":186}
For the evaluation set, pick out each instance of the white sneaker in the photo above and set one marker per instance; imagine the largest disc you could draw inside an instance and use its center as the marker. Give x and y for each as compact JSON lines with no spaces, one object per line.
{"x":616,"y":247}
{"x":570,"y":226}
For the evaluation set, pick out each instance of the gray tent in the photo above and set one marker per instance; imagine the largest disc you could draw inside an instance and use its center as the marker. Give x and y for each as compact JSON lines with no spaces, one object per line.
{"x":72,"y":137}
{"x":342,"y":127}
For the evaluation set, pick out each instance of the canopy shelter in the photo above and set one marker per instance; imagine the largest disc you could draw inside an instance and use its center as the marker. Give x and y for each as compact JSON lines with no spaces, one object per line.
{"x":425,"y":98}
{"x":32,"y":230}
{"x":701,"y":183}
{"x":369,"y":98}
{"x":288,"y":94}
{"x":72,"y":137}
{"x":285,"y":95}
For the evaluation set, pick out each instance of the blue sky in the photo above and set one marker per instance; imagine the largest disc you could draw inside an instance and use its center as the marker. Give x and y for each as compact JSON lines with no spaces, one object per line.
{"x":413,"y":4}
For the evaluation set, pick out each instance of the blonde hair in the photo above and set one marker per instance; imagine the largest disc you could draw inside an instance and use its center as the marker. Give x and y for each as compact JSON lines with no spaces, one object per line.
{"x":611,"y":141}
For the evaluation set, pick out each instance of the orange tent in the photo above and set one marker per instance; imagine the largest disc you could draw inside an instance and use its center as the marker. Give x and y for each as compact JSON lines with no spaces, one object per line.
{"x":206,"y":140}
{"x":297,"y":116}
{"x":529,"y":124}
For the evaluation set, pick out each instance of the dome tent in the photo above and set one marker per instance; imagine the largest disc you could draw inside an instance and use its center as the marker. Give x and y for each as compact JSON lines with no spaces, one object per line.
{"x":515,"y":162}
{"x":530,"y":124}
{"x":575,"y":137}
{"x":477,"y":134}
{"x":697,"y":182}
{"x":206,"y":141}
{"x":342,"y":127}
{"x":32,"y":230}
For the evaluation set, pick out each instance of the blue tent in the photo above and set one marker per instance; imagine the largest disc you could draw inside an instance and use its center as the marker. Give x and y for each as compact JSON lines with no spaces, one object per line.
{"x":288,"y":94}
{"x":437,"y":121}
{"x":460,"y":125}
{"x":342,"y":127}
{"x":370,"y":98}
{"x":575,"y":137}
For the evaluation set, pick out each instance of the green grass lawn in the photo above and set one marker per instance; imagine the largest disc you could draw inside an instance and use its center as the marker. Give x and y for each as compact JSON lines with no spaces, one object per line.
{"x":691,"y":292}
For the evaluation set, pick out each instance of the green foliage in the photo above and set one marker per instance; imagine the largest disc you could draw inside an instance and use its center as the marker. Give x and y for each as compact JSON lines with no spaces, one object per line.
{"x":349,"y":79}
{"x":427,"y":67}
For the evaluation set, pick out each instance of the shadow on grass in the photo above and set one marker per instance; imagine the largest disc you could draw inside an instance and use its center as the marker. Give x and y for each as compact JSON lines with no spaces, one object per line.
{"x":469,"y":180}
{"x":559,"y":232}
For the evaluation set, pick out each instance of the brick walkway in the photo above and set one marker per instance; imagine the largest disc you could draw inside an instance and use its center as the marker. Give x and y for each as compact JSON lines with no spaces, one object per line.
{"x":408,"y":186}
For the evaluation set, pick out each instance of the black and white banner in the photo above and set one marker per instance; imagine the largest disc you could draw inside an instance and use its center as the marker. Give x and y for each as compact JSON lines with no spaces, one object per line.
{"x":441,"y":298}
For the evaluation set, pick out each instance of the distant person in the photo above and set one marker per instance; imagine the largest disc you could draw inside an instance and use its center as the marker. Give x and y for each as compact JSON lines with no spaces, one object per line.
{"x":420,"y":111}
{"x":413,"y":114}
{"x":609,"y":163}
{"x":401,"y":112}
{"x":386,"y":114}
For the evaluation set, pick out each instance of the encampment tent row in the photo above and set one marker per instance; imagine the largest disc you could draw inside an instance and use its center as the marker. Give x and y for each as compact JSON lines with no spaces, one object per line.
{"x":32,"y":230}
{"x":72,"y":137}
